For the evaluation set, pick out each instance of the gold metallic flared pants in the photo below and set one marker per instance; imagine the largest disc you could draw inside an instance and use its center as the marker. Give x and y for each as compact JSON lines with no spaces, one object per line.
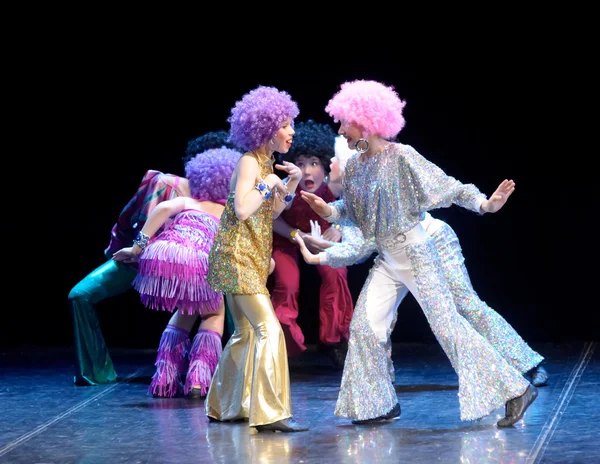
{"x":252,"y":378}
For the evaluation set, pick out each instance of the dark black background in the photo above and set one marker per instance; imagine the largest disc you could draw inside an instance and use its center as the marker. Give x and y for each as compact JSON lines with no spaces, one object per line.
{"x":483,"y":109}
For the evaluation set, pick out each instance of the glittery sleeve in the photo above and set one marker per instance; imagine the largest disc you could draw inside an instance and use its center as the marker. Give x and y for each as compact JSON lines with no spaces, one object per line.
{"x":338,"y":211}
{"x":353,"y":248}
{"x":433,"y":188}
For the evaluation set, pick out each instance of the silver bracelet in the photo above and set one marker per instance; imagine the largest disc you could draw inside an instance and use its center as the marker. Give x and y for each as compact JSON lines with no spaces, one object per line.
{"x":289,"y":197}
{"x":264,"y":190}
{"x":141,"y":240}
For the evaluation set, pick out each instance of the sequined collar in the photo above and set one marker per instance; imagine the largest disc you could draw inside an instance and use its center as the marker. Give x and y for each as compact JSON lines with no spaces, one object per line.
{"x":380,"y":152}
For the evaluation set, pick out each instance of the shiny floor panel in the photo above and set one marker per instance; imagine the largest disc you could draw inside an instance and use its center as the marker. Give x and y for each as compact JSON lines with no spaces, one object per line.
{"x":46,"y":419}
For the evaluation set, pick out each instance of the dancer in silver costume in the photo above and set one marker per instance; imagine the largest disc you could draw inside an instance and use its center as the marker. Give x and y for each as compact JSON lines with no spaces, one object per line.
{"x":492,"y":326}
{"x":386,"y":191}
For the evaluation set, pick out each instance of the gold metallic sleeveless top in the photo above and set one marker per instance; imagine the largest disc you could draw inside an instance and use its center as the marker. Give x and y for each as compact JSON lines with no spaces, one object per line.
{"x":240,"y":257}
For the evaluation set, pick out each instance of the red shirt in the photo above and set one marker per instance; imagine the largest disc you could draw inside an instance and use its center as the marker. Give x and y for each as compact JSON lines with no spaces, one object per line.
{"x":300,"y":214}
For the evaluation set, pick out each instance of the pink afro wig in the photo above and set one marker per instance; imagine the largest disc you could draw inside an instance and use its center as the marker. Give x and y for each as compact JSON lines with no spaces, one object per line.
{"x":209,"y":173}
{"x":376,"y":108}
{"x":258,"y":116}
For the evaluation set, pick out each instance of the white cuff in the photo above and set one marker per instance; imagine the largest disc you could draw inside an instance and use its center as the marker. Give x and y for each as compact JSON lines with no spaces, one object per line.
{"x":323,"y":259}
{"x":334,"y":216}
{"x":477,"y":204}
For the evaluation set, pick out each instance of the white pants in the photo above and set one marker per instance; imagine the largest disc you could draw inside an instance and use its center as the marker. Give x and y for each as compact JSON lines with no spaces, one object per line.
{"x":410,"y":262}
{"x":491,"y":325}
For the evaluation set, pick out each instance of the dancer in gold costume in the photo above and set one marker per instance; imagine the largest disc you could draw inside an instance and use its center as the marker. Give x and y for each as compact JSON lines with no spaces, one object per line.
{"x":251,"y":381}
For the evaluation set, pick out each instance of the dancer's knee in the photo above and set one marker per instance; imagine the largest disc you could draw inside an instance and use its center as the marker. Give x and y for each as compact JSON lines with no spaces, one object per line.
{"x":268,"y":329}
{"x":78,"y":293}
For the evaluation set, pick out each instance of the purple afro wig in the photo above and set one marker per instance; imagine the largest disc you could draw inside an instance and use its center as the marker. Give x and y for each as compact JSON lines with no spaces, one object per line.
{"x":376,"y":108}
{"x":258,"y":116}
{"x":209,"y":173}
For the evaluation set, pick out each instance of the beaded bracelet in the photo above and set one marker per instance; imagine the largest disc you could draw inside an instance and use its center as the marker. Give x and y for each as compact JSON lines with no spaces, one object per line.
{"x":141,"y":240}
{"x":289,"y":197}
{"x":264,"y":190}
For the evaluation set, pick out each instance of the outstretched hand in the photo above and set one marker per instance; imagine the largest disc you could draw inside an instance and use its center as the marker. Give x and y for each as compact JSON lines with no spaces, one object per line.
{"x":307,"y":255}
{"x":316,"y":203}
{"x":499,"y":198}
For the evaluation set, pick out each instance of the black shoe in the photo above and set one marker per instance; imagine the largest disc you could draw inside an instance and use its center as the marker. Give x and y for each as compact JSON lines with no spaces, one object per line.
{"x":515,"y":408}
{"x":336,"y":352}
{"x":284,"y":425}
{"x":229,"y":421}
{"x":538,"y":375}
{"x":338,"y":356}
{"x":393,"y":414}
{"x":81,"y":382}
{"x":195,"y":394}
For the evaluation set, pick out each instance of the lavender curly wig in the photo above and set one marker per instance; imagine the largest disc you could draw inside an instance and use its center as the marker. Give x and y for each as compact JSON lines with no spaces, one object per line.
{"x":209,"y":173}
{"x":258,"y":116}
{"x":373,"y":106}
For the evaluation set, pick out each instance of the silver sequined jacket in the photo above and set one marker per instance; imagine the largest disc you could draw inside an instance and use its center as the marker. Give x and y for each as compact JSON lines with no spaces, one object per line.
{"x":389,"y":193}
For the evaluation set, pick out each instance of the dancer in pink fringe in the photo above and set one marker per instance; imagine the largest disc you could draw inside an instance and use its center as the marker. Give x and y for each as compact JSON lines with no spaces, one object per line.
{"x":172,"y":275}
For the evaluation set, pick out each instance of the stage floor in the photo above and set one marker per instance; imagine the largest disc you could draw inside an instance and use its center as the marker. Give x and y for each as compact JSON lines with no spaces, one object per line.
{"x":46,"y":419}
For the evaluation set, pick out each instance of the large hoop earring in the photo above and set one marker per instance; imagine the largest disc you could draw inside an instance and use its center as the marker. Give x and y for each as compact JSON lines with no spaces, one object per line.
{"x":273,"y":144}
{"x":364,"y":147}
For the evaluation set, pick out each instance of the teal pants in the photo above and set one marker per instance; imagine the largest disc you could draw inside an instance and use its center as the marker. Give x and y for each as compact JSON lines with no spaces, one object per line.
{"x":93,"y":365}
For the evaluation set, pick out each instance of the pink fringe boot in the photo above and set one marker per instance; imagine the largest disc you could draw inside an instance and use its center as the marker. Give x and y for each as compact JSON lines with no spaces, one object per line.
{"x":170,"y":361}
{"x":204,"y":356}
